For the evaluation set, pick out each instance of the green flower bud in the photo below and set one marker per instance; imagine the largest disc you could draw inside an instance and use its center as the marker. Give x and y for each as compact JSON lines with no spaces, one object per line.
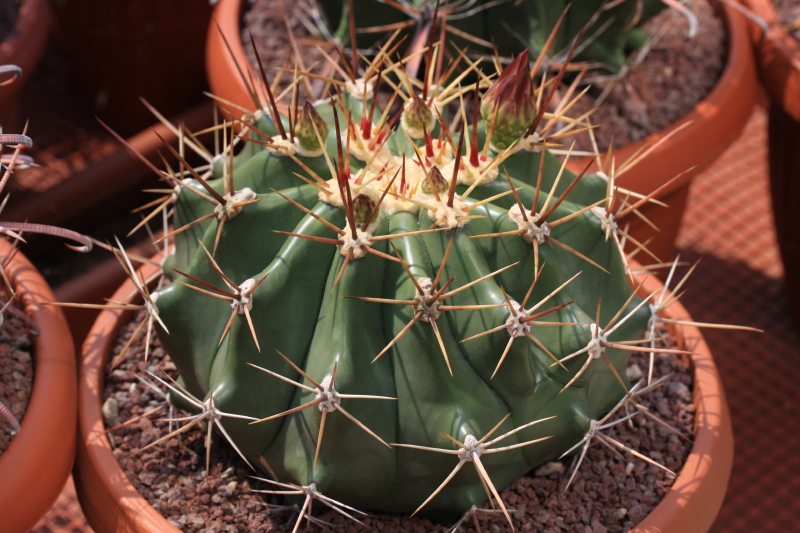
{"x":417,"y":118}
{"x":363,"y":206}
{"x":304,"y":131}
{"x":436,"y":179}
{"x":510,"y":103}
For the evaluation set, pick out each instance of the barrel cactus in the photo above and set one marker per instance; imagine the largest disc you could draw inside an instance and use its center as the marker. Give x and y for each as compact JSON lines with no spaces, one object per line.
{"x":363,"y":304}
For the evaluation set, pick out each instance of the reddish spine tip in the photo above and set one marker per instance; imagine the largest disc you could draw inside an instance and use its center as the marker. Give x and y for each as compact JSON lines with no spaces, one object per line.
{"x":366,"y":128}
{"x":429,"y":146}
{"x":473,"y":156}
{"x":403,"y":176}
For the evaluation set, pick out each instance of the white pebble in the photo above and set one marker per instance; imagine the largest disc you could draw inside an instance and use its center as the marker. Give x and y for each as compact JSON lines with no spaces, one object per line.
{"x":110,"y":410}
{"x":634,"y":373}
{"x":628,"y":469}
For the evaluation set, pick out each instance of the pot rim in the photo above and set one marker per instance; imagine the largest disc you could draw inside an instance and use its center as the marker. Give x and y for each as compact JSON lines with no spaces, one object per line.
{"x":39,"y":458}
{"x":111,"y":503}
{"x":778,"y":58}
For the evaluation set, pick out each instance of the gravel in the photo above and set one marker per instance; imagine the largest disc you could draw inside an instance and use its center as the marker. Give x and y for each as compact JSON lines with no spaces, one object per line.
{"x":16,"y":371}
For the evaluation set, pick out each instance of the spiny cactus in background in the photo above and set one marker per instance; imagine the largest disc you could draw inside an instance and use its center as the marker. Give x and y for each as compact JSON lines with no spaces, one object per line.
{"x":13,"y":230}
{"x":611,"y":28}
{"x":360,"y":293}
{"x":12,"y":161}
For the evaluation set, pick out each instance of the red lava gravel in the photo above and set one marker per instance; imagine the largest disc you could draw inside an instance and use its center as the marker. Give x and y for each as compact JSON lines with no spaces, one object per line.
{"x":16,"y":371}
{"x":609,"y":493}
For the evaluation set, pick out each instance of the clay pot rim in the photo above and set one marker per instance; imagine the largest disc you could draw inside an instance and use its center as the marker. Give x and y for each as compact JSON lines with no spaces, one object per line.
{"x":40,"y":457}
{"x":778,"y":55}
{"x":720,"y":115}
{"x":111,"y":503}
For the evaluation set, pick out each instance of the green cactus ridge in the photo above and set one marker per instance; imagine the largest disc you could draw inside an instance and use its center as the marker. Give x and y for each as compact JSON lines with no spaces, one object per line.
{"x":425,"y":309}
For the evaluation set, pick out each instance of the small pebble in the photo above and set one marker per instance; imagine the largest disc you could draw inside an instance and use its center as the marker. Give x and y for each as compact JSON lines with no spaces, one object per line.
{"x":110,"y":410}
{"x":634,"y":373}
{"x":553,"y":467}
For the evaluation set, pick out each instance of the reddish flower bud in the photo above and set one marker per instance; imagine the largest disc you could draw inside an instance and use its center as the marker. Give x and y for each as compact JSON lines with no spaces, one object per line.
{"x":510,"y":103}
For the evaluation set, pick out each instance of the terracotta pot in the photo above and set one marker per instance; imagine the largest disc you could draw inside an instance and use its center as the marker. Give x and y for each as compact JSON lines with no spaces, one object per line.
{"x":778,"y":59}
{"x":112,"y":504}
{"x":126,"y":49}
{"x":715,"y":122}
{"x":36,"y":464}
{"x":23,"y":47}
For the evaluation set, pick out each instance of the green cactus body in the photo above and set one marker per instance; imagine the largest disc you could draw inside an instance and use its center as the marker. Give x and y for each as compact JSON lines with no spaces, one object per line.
{"x":300,"y":311}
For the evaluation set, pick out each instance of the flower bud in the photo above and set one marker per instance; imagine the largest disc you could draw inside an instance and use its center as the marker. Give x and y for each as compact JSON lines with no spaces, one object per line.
{"x":417,"y":118}
{"x":363,"y":206}
{"x":436,"y":179}
{"x":510,"y":103}
{"x":307,"y":120}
